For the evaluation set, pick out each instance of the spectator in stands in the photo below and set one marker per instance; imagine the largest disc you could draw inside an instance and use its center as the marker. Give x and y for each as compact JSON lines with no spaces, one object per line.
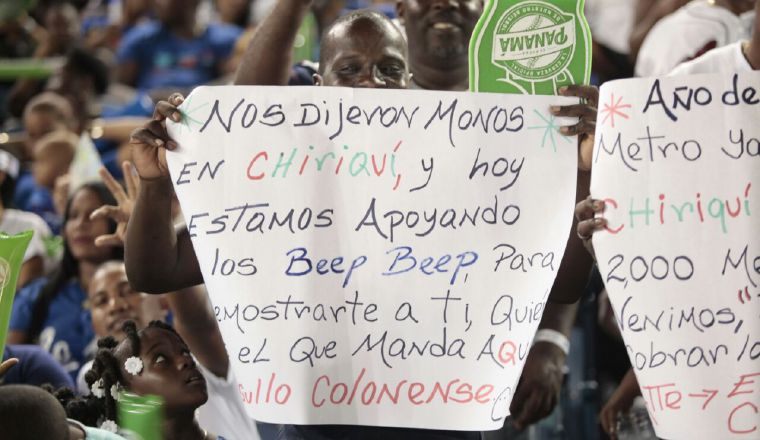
{"x":50,"y":311}
{"x":154,"y":360}
{"x":692,"y":31}
{"x":741,"y":56}
{"x":171,"y":52}
{"x":35,"y":367}
{"x":39,"y":257}
{"x":30,"y":413}
{"x":44,"y":114}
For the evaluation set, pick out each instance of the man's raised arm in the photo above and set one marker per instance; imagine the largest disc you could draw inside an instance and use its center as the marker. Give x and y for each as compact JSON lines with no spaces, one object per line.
{"x":268,"y":57}
{"x":157,"y":258}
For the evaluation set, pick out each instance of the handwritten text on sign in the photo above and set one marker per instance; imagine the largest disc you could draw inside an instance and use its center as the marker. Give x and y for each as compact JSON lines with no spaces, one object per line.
{"x":375,"y":257}
{"x":677,"y":161}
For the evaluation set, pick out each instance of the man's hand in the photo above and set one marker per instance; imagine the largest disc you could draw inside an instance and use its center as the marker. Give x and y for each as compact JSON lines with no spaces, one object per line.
{"x":121,"y":213}
{"x":6,"y":365}
{"x":620,"y":402}
{"x":586,"y":126}
{"x":538,"y":391}
{"x":149,"y":143}
{"x":587,"y":224}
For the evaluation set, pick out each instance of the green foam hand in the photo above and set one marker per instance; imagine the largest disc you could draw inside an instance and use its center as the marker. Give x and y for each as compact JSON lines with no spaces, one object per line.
{"x":530,"y":47}
{"x":12,"y":250}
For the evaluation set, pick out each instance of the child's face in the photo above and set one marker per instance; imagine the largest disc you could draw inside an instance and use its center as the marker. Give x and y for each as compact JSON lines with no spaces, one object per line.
{"x":168,"y":371}
{"x":38,"y":124}
{"x":50,"y":163}
{"x":113,"y":301}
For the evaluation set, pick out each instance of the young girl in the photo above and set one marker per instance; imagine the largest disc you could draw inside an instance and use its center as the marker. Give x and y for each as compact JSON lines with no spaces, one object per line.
{"x":50,"y":311}
{"x":154,"y":361}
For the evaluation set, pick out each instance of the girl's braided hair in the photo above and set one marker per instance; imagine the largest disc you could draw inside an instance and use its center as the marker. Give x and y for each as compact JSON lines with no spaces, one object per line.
{"x":91,"y":410}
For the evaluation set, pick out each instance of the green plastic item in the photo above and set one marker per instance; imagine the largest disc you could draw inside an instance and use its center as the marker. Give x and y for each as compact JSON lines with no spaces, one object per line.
{"x":304,"y":46}
{"x":141,"y":417}
{"x":13,"y":9}
{"x":530,"y":47}
{"x":29,"y":68}
{"x":12,"y":250}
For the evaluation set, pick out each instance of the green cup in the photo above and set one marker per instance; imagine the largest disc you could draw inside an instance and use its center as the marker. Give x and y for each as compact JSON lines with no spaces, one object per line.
{"x":141,"y":417}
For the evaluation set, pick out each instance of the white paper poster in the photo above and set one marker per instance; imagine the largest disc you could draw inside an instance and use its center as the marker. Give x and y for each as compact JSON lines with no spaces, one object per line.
{"x":375,"y":257}
{"x":678,"y":162}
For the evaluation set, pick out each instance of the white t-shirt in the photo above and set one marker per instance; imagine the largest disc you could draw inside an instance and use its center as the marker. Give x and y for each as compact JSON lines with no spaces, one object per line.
{"x":611,"y":22}
{"x":13,"y":222}
{"x":688,"y":33}
{"x":223,"y":413}
{"x":726,"y":59}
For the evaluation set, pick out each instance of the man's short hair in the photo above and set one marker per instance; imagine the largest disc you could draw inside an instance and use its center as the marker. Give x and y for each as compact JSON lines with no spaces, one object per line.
{"x":53,"y":104}
{"x":31,"y":413}
{"x":80,"y":61}
{"x":375,"y":17}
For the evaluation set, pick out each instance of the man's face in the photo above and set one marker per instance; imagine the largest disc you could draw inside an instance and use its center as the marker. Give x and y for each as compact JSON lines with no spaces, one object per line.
{"x":364,"y":54}
{"x":439,"y":28}
{"x":38,"y":124}
{"x":172,"y":12}
{"x":113,"y":301}
{"x":62,"y":23}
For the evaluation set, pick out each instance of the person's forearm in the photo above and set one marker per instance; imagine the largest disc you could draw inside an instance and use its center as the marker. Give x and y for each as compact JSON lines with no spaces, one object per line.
{"x":753,"y":50}
{"x":629,"y":386}
{"x":575,"y":267}
{"x":194,"y":320}
{"x":268,"y":57}
{"x":553,"y":335}
{"x":153,"y":254}
{"x":559,"y":317}
{"x":119,"y":129}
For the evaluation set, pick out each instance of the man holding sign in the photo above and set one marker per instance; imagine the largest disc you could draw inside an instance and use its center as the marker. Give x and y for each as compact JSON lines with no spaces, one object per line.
{"x":696,"y":370}
{"x":361,"y":50}
{"x":439,"y":33}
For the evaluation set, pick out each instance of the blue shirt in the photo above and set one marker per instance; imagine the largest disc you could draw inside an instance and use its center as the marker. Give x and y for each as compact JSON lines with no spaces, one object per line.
{"x":35,"y":367}
{"x":28,"y":196}
{"x":165,"y":60}
{"x":67,"y":331}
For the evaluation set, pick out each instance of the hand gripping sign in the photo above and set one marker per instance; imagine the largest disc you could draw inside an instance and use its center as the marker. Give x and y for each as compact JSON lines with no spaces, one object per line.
{"x":375,"y":257}
{"x":676,"y":162}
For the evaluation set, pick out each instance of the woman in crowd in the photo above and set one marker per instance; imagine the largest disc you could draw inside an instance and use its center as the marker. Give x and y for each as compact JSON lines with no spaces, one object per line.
{"x":50,"y":311}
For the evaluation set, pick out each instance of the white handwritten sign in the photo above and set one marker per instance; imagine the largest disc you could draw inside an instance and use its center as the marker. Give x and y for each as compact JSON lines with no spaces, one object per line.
{"x":375,"y":257}
{"x":678,"y":162}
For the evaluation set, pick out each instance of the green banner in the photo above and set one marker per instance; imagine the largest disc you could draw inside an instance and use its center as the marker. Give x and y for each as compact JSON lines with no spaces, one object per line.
{"x":530,"y":47}
{"x":12,"y":249}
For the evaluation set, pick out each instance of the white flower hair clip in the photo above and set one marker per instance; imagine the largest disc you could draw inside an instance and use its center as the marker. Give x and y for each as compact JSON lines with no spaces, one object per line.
{"x":97,"y":389}
{"x":110,"y":426}
{"x":133,"y":365}
{"x":115,"y":392}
